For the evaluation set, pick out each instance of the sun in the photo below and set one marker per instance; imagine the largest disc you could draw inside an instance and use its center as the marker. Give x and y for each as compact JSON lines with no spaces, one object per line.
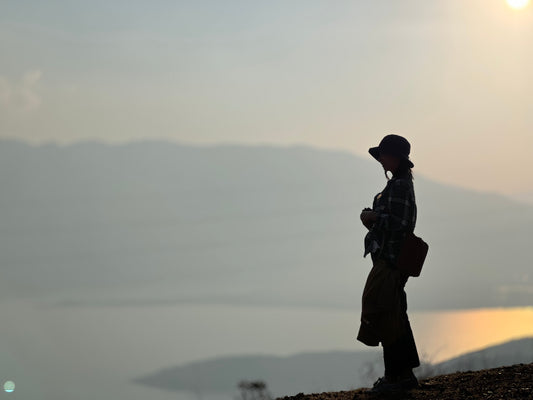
{"x":518,"y":4}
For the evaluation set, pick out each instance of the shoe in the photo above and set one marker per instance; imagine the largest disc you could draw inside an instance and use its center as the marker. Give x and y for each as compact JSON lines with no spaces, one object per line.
{"x":383,"y":385}
{"x":408,"y":383}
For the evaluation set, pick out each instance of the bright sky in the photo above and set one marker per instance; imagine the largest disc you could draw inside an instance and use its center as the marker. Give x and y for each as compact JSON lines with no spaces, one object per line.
{"x":452,"y":76}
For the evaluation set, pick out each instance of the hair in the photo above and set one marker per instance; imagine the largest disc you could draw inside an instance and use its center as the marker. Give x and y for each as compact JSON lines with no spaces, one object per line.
{"x":402,"y":170}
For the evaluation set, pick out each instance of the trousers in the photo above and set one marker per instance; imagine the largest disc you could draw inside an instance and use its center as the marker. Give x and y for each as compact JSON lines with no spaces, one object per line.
{"x":402,"y":354}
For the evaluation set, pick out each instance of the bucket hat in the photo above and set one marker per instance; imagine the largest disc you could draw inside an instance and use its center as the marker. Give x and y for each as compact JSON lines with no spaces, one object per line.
{"x":395,"y":145}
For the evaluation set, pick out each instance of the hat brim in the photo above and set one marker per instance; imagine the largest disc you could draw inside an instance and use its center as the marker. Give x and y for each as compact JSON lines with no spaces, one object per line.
{"x":374,"y":152}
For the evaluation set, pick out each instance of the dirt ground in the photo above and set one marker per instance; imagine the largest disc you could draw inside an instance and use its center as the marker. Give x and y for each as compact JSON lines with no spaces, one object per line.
{"x":505,"y":383}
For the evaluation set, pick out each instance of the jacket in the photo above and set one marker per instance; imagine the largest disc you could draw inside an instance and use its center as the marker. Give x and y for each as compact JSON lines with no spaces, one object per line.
{"x":396,"y":209}
{"x":381,"y":313}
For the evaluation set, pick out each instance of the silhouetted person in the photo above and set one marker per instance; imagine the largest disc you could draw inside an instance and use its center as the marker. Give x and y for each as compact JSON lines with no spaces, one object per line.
{"x":384,"y":306}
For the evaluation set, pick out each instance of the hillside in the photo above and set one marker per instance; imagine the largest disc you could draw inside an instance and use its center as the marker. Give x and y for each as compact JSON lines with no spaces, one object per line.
{"x":510,"y":383}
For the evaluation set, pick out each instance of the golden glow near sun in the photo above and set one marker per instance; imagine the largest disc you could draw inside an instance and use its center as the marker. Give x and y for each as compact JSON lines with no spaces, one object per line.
{"x":518,"y":4}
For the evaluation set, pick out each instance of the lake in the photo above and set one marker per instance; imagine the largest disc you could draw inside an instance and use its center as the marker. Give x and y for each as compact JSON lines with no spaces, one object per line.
{"x":92,"y":352}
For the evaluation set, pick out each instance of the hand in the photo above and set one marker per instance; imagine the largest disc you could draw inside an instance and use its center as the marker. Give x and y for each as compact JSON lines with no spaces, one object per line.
{"x":368,"y":217}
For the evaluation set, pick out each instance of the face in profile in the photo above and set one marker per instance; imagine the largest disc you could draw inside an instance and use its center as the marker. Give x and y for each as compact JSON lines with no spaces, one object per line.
{"x":389,"y":162}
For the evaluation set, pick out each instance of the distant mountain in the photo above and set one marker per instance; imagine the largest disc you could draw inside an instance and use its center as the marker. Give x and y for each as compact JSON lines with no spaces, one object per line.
{"x":292,"y":374}
{"x":525,"y":197}
{"x":318,"y":372}
{"x":513,"y":352}
{"x":157,"y":222}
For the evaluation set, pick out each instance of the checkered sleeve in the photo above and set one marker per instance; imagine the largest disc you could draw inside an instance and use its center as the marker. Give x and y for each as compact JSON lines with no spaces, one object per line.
{"x":398,"y":213}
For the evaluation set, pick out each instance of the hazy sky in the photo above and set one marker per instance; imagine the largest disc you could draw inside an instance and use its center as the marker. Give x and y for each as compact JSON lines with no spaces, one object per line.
{"x":453,"y":76}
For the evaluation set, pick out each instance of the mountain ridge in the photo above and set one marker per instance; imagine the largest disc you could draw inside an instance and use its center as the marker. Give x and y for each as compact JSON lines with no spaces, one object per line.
{"x":237,"y":224}
{"x":235,"y":145}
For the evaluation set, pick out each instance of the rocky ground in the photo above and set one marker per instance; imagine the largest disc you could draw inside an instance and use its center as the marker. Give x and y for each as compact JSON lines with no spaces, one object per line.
{"x":505,"y":383}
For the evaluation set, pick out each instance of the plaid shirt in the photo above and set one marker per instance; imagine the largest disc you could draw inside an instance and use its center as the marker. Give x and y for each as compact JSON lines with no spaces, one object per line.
{"x":396,"y":209}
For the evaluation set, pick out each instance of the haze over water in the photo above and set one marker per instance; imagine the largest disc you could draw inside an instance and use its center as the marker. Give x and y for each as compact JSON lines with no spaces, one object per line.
{"x":95,"y":351}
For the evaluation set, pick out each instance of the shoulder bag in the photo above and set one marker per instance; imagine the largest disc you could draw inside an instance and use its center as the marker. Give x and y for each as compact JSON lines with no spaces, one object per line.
{"x":413,"y":251}
{"x":412,"y":254}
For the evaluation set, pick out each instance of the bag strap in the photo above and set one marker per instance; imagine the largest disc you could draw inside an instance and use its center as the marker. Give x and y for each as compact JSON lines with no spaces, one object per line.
{"x":414,"y":208}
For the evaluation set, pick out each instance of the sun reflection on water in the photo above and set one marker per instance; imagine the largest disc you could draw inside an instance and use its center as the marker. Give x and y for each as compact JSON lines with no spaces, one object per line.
{"x":451,"y":333}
